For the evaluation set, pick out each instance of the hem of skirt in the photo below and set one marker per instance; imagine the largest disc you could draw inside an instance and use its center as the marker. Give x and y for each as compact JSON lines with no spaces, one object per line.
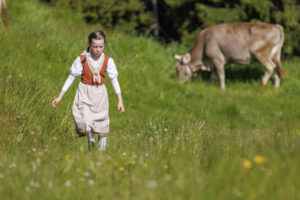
{"x":79,"y":134}
{"x":101,"y":134}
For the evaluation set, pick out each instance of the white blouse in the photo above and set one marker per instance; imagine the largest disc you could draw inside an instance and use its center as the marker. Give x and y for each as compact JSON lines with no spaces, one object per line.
{"x":76,"y":70}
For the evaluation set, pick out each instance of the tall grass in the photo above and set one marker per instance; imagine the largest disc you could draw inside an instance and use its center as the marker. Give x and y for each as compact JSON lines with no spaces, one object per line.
{"x":175,"y":141}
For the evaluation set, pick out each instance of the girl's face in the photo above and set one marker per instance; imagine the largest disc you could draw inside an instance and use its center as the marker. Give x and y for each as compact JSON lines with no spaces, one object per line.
{"x":96,"y":47}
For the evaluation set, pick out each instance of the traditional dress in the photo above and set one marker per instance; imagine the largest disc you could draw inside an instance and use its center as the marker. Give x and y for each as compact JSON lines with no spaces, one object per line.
{"x":90,"y":106}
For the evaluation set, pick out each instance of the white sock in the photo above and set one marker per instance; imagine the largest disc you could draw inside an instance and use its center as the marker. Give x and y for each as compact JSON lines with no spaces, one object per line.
{"x":91,"y":137}
{"x":102,"y":143}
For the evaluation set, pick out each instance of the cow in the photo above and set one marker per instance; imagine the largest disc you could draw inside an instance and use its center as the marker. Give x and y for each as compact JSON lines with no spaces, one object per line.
{"x":239,"y":43}
{"x":3,"y":9}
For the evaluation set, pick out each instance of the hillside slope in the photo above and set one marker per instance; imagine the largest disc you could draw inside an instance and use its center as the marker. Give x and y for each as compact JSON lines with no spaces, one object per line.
{"x":175,"y":141}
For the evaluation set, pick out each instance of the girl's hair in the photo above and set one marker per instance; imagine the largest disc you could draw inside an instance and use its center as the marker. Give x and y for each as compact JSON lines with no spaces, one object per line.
{"x":97,"y":35}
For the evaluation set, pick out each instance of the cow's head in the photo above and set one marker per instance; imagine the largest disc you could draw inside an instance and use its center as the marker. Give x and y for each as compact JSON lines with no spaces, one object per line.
{"x":184,"y":71}
{"x":184,"y":67}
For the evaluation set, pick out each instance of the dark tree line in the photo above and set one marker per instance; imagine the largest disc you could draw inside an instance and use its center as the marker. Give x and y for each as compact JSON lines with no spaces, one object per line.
{"x":181,"y":20}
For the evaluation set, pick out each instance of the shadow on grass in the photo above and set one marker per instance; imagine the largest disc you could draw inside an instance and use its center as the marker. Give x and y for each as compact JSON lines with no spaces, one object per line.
{"x":244,"y":73}
{"x":233,"y":72}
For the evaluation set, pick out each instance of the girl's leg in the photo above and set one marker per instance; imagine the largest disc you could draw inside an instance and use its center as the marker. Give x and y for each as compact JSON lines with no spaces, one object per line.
{"x":102,"y":143}
{"x":91,"y":140}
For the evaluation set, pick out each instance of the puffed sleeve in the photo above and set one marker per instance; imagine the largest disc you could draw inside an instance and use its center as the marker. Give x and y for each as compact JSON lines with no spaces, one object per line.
{"x":76,"y":68}
{"x":113,"y":75}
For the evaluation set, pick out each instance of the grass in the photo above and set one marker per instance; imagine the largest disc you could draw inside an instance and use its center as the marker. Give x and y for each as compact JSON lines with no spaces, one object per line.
{"x":175,"y":141}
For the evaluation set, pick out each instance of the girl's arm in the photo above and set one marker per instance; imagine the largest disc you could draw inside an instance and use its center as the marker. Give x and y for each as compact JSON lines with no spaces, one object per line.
{"x":76,"y":70}
{"x":113,"y":75}
{"x":66,"y":86}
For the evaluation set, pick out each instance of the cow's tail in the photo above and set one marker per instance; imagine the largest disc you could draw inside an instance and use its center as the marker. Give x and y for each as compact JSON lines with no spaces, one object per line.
{"x":276,"y":58}
{"x":279,"y":68}
{"x":4,"y":15}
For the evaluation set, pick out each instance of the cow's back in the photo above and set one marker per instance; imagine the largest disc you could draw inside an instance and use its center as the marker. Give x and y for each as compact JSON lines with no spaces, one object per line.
{"x":238,"y":41}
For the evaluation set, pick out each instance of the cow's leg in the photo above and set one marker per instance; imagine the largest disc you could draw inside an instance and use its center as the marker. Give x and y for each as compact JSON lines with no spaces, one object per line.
{"x":269,"y":65}
{"x":276,"y":62}
{"x":214,"y":53}
{"x":221,"y":72}
{"x":277,"y":79}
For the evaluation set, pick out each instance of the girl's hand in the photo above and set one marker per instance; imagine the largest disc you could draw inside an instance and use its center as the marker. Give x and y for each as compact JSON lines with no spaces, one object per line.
{"x":121,"y":107}
{"x":55,"y":102}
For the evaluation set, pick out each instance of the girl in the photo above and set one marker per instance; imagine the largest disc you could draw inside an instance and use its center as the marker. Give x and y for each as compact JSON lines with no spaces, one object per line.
{"x":90,"y":106}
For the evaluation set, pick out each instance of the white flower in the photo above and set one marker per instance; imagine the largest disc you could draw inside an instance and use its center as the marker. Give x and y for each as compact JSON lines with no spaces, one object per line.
{"x":1,"y":164}
{"x":98,"y":164}
{"x":108,"y":158}
{"x":1,"y":175}
{"x":152,"y":184}
{"x":68,"y":183}
{"x":34,"y":184}
{"x":81,"y":148}
{"x":19,"y":137}
{"x":20,"y":75}
{"x":168,"y":177}
{"x":134,"y":155}
{"x":91,"y":182}
{"x":50,"y":184}
{"x":12,"y":165}
{"x":124,"y":153}
{"x":87,"y":174}
{"x":9,"y":76}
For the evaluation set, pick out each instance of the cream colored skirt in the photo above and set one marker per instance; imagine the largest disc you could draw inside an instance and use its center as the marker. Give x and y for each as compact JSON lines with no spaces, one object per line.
{"x":90,"y":109}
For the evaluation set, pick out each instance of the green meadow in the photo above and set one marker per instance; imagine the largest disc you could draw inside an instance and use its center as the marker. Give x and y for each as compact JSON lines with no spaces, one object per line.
{"x":174,"y":141}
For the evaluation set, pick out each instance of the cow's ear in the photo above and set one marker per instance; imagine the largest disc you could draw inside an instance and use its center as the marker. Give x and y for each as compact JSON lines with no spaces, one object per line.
{"x":186,"y":58}
{"x":177,"y":57}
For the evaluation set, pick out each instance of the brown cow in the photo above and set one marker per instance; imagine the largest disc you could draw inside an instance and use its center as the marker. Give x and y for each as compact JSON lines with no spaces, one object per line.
{"x":3,"y":8}
{"x":234,"y":43}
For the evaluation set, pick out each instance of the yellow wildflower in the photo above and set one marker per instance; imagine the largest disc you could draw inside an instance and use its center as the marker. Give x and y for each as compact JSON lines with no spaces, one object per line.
{"x":247,"y":164}
{"x":145,"y":165}
{"x":67,"y":157}
{"x":122,"y":169}
{"x":240,"y":194}
{"x":298,"y":133}
{"x":259,"y":159}
{"x":131,"y":162}
{"x":165,"y":166}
